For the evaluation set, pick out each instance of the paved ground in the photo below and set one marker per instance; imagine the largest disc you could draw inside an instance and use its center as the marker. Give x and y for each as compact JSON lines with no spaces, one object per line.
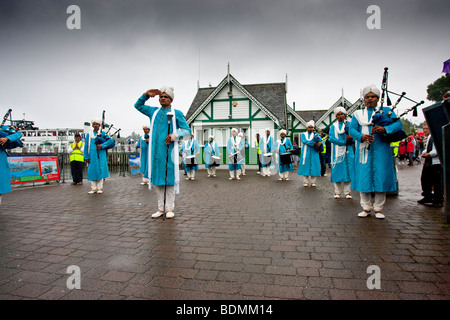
{"x":257,"y":238}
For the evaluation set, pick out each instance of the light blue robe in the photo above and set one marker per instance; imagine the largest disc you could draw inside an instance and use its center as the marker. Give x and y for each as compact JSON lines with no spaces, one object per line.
{"x":230,"y":149}
{"x":190,"y":152}
{"x":143,"y":146}
{"x":211,"y":151}
{"x":342,"y":171}
{"x":98,"y":165}
{"x":266,"y":149}
{"x":378,"y":174}
{"x":5,"y":175}
{"x":159,"y":135}
{"x":311,"y":167}
{"x":284,"y":148}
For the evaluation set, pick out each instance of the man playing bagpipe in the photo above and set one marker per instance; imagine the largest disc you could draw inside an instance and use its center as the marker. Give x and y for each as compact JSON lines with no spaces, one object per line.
{"x":96,"y":144}
{"x":9,"y":139}
{"x":309,"y":165}
{"x":374,"y":166}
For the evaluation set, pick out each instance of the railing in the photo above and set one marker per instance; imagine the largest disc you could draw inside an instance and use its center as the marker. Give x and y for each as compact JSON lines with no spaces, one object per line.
{"x":118,"y":164}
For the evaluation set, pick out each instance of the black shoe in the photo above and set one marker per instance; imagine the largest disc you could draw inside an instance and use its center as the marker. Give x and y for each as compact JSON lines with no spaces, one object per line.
{"x":424,"y":200}
{"x":437,"y":204}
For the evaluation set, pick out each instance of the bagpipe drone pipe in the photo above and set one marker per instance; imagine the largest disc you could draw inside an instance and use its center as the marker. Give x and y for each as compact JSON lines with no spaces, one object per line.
{"x":382,"y":118}
{"x":103,"y":136}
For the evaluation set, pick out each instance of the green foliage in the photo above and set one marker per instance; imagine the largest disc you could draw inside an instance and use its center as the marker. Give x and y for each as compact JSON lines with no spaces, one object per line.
{"x":438,"y":88}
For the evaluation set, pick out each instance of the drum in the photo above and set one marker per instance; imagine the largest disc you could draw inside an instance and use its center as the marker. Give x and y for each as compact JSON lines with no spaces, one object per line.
{"x":235,"y":158}
{"x":191,"y":161}
{"x":214,"y":161}
{"x":267,"y":158}
{"x":286,"y":158}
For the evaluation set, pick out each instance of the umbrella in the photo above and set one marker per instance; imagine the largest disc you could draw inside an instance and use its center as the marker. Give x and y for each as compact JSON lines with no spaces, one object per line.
{"x":446,"y":68}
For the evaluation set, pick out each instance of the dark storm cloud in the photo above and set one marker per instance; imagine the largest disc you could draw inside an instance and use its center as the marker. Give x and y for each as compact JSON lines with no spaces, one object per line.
{"x":125,"y":46}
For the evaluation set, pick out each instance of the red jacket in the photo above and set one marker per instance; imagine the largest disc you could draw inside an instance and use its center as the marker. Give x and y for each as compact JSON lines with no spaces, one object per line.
{"x":410,"y":147}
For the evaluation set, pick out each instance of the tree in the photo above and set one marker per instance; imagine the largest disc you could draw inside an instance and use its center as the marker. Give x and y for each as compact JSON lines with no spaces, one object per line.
{"x":438,"y":88}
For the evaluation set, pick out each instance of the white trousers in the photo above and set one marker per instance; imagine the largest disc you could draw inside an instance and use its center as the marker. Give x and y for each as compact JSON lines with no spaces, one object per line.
{"x":307,"y":179}
{"x":234,"y":174}
{"x":265,"y":171}
{"x":190,"y":174}
{"x":242,"y":167}
{"x":211,"y":170}
{"x":170,"y":197}
{"x":97,"y":185}
{"x":377,"y":204}
{"x":342,"y":186}
{"x":284,"y":175}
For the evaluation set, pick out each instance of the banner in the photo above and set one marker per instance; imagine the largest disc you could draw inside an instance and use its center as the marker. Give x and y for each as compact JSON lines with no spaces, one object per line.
{"x":33,"y":168}
{"x":135,"y":162}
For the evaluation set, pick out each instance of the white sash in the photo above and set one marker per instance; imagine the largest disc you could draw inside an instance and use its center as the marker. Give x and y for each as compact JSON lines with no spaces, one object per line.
{"x":338,"y":151}
{"x":363,"y":118}
{"x":311,"y":136}
{"x":174,"y":154}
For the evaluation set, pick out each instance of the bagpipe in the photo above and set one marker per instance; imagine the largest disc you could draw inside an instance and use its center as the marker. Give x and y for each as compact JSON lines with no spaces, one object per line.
{"x":381,"y":118}
{"x":317,"y":138}
{"x":103,"y":136}
{"x":8,"y":130}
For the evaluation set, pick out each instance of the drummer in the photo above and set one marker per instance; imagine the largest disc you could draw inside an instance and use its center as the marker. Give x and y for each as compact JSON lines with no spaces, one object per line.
{"x":246,"y":145}
{"x":284,"y":146}
{"x":211,"y":150}
{"x":234,"y":146}
{"x":266,"y":145}
{"x":190,"y":149}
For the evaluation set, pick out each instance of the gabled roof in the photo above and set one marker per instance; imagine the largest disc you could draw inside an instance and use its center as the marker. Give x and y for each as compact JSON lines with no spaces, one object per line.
{"x":269,"y":97}
{"x":308,"y":115}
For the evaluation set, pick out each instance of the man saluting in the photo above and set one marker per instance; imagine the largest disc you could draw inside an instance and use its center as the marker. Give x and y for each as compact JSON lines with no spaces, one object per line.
{"x":160,"y":140}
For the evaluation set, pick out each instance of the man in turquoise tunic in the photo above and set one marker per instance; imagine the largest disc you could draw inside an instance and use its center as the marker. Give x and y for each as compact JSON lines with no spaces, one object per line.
{"x":160,"y":139}
{"x":190,"y":149}
{"x":283,"y":145}
{"x":374,"y":166}
{"x":143,"y":147}
{"x":309,"y":164}
{"x":342,"y":155}
{"x":96,"y":157}
{"x":5,"y":176}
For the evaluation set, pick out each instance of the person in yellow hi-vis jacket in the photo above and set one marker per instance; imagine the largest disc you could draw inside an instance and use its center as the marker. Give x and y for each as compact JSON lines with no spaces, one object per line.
{"x":76,"y":152}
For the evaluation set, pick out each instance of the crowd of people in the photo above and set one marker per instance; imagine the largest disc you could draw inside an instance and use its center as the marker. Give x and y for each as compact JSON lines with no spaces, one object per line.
{"x":357,"y":151}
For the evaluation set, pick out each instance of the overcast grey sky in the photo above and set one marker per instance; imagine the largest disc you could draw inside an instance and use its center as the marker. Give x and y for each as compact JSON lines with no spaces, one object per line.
{"x":62,"y":78}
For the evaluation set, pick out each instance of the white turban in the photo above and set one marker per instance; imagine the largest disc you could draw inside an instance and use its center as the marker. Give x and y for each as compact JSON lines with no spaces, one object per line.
{"x":267,"y":129}
{"x":371,"y":88}
{"x":145,"y":126}
{"x":234,"y":130}
{"x":96,"y":120}
{"x":168,"y":91}
{"x":282,"y":131}
{"x":310,"y":124}
{"x":340,"y":109}
{"x":240,"y":134}
{"x":211,"y":137}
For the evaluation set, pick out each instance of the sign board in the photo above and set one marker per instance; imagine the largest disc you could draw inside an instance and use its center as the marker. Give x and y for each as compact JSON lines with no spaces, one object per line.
{"x":33,"y":168}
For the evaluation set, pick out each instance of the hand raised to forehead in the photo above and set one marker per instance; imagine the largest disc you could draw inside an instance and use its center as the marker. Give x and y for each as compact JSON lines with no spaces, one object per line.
{"x":152,"y":92}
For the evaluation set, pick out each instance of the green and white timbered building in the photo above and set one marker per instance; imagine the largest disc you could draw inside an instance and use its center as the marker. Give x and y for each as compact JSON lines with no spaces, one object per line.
{"x":251,"y":109}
